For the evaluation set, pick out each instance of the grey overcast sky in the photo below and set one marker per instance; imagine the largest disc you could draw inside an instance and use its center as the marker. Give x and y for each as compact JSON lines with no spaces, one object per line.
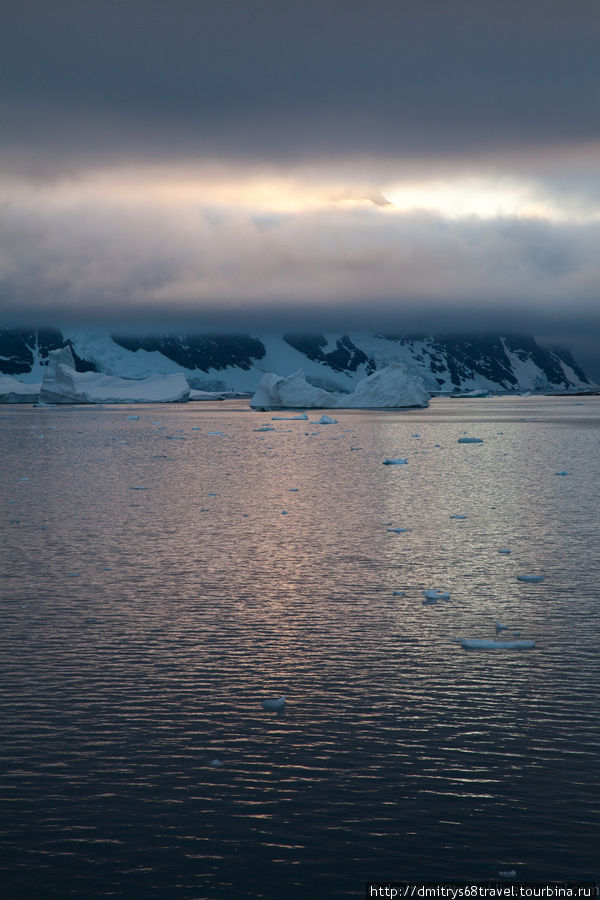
{"x":431,"y":165}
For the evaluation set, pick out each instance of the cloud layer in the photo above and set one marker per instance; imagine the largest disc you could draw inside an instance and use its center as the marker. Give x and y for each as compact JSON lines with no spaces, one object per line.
{"x":424,"y":166}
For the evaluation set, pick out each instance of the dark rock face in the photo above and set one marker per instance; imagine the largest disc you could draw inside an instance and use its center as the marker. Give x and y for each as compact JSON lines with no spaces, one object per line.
{"x":19,"y":348}
{"x":346,"y":357}
{"x":199,"y":351}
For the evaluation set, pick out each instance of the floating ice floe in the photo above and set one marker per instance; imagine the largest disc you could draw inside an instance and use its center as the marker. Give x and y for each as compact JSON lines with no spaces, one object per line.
{"x":262,"y":428}
{"x":395,"y":462}
{"x":325,"y":420}
{"x":533,"y":579}
{"x":301,"y":418}
{"x":274,"y":705}
{"x":436,"y":595}
{"x":133,"y":417}
{"x":284,"y":512}
{"x":216,"y":763}
{"x":139,"y":487}
{"x":474,"y":644}
{"x":505,"y":550}
{"x":561,"y":473}
{"x":500,"y":627}
{"x":470,"y":440}
{"x":458,"y":516}
{"x":392,"y":386}
{"x":63,"y":384}
{"x":399,"y":593}
{"x":399,"y":530}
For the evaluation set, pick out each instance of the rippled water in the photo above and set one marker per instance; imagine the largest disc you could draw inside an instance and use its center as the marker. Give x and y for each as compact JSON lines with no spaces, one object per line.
{"x":153,"y":593}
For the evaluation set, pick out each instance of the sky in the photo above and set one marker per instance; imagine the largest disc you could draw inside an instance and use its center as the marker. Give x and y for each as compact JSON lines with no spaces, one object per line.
{"x":392,"y":165}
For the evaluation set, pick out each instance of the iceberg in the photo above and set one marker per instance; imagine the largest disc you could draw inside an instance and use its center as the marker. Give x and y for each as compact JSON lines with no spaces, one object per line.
{"x":63,"y":384}
{"x":395,"y":462}
{"x":14,"y":391}
{"x":469,"y":440}
{"x":390,"y":387}
{"x":532,"y":579}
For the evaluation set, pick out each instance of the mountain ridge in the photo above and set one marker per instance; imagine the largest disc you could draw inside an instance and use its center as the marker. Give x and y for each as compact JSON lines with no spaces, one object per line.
{"x":334,"y":361}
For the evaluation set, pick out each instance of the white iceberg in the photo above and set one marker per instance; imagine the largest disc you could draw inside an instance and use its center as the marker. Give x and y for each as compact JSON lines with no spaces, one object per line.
{"x":63,"y":384}
{"x":392,"y":387}
{"x":325,"y":420}
{"x":14,"y":391}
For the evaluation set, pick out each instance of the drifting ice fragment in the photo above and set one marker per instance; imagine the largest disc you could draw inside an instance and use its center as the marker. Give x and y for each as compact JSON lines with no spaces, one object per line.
{"x":301,"y":418}
{"x":399,"y":593}
{"x":284,"y":512}
{"x":533,"y":579}
{"x":468,"y":440}
{"x":470,"y":644}
{"x":325,"y":420}
{"x":133,"y":417}
{"x":504,"y":551}
{"x":395,"y":462}
{"x":216,"y":763}
{"x":399,"y":530}
{"x":500,"y":627}
{"x":139,"y":487}
{"x":561,"y":473}
{"x":458,"y":516}
{"x":436,"y":595}
{"x":274,"y":705}
{"x":262,"y":428}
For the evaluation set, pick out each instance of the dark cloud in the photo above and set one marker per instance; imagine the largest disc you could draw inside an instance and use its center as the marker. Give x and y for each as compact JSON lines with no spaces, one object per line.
{"x":92,"y":79}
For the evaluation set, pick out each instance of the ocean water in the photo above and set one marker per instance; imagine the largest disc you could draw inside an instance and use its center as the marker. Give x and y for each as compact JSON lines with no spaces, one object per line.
{"x":157,"y":582}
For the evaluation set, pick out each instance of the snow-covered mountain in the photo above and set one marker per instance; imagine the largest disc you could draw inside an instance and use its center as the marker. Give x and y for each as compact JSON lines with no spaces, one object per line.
{"x":335,"y":362}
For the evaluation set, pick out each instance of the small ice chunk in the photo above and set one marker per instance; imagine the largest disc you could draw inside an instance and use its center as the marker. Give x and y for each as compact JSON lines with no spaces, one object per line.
{"x":73,"y":574}
{"x":399,"y":530}
{"x":561,"y":473}
{"x":274,"y":705}
{"x":214,"y":432}
{"x":139,"y":487}
{"x":293,"y":490}
{"x":395,"y":462}
{"x":436,"y":595}
{"x":500,"y":627}
{"x":399,"y":593}
{"x":533,"y":579}
{"x":504,"y":550}
{"x":472,"y":644}
{"x":133,"y":417}
{"x":470,"y":440}
{"x":216,"y":763}
{"x":301,"y":418}
{"x":325,"y":420}
{"x":458,"y":516}
{"x":284,"y":512}
{"x":262,"y":428}
{"x":507,"y":873}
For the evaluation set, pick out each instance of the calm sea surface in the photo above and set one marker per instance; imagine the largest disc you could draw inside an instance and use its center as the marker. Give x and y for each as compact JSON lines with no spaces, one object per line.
{"x":158,"y":581}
